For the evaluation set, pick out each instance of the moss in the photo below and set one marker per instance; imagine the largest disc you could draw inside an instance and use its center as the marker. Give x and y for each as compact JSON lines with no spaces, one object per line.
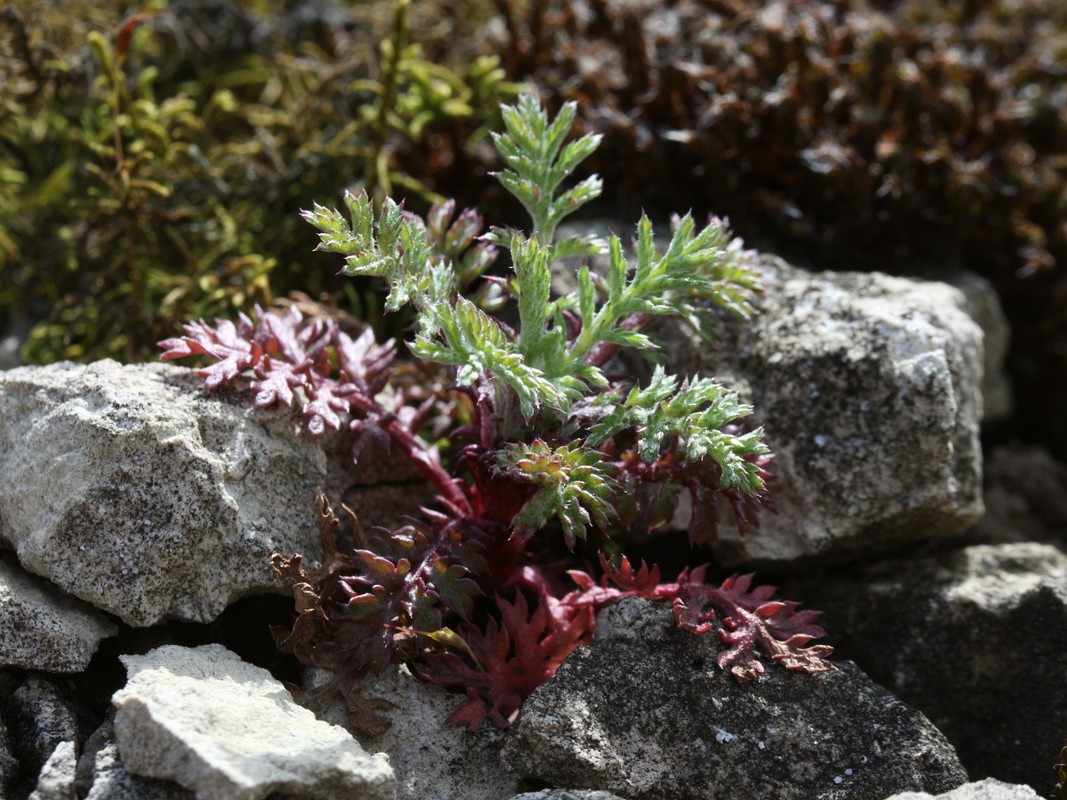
{"x":155,"y":177}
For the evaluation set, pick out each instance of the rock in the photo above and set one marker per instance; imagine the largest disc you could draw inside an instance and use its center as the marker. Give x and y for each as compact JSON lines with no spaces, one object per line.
{"x":9,"y":766}
{"x":172,"y":500}
{"x":650,"y":716}
{"x":983,"y":306}
{"x":566,"y":794}
{"x":433,"y":758}
{"x":976,"y":639}
{"x":229,"y":731}
{"x":56,"y":781}
{"x":1025,"y":498}
{"x":868,"y":387}
{"x":40,"y":717}
{"x":989,"y":789}
{"x":103,"y":776}
{"x":870,"y":390}
{"x":41,"y":628}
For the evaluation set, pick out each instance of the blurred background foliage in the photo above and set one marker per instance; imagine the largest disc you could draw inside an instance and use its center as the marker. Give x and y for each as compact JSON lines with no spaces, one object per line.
{"x":911,"y":136}
{"x":152,"y":165}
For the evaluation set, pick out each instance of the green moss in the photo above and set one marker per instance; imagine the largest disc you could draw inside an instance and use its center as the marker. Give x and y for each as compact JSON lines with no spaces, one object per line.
{"x":157,"y":179}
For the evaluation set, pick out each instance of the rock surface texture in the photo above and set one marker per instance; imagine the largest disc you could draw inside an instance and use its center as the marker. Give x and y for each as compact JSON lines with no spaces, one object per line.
{"x":40,"y":717}
{"x":966,"y":636}
{"x":136,"y":491}
{"x":101,"y":775}
{"x":988,"y":789}
{"x":56,"y":781}
{"x":229,"y":731}
{"x":433,"y":760}
{"x":41,"y":628}
{"x":869,"y":388}
{"x":647,"y":714}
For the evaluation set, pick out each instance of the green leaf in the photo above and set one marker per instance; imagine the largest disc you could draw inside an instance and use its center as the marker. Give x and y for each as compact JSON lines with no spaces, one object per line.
{"x":574,"y":484}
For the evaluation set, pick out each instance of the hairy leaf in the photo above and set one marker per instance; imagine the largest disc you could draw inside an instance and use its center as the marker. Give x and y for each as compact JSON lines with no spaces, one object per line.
{"x":573,"y":483}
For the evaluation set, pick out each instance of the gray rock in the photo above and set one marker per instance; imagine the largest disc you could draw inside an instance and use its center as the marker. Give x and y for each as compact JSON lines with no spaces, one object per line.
{"x":654,"y":718}
{"x":9,"y":765}
{"x":40,"y":717}
{"x":172,"y":500}
{"x":567,"y":794}
{"x":101,"y":775}
{"x":56,"y":781}
{"x":1025,"y":498}
{"x":983,"y":306}
{"x":41,"y":628}
{"x":989,"y":789}
{"x":433,"y":758}
{"x":869,"y":389}
{"x":229,"y":731}
{"x":976,"y":639}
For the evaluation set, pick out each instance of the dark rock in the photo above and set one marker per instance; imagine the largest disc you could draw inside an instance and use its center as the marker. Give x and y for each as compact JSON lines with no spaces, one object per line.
{"x":976,"y":639}
{"x":567,"y":794}
{"x":40,"y":716}
{"x":1025,"y":497}
{"x":9,"y":766}
{"x":646,"y":713}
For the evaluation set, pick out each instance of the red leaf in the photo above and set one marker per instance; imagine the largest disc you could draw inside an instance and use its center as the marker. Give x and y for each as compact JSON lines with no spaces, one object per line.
{"x":228,"y":343}
{"x":514,"y":657}
{"x":751,"y":622}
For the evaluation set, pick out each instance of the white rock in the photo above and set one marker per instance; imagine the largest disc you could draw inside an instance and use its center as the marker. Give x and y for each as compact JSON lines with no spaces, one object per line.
{"x":56,"y":781}
{"x":989,"y":789}
{"x":132,"y":488}
{"x":43,"y":629}
{"x":229,"y":731}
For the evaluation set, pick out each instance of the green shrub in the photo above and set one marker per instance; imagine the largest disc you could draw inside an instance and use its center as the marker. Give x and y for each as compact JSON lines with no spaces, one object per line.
{"x":152,"y":172}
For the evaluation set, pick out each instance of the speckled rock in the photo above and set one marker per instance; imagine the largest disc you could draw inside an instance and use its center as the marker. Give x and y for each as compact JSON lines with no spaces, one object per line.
{"x":975,"y":638}
{"x":868,"y":387}
{"x":870,"y":390}
{"x":41,"y":628}
{"x":227,"y":730}
{"x":650,"y":716}
{"x":172,"y":499}
{"x":989,"y":789}
{"x":56,"y":781}
{"x":433,"y":758}
{"x":40,"y":717}
{"x":567,"y":794}
{"x":9,"y":767}
{"x":101,"y":775}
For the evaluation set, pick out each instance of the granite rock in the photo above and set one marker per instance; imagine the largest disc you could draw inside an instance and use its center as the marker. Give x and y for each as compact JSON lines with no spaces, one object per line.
{"x":652,"y":717}
{"x":173,"y":499}
{"x":229,"y":731}
{"x":41,"y":628}
{"x":975,"y":638}
{"x":989,"y":789}
{"x":433,"y":758}
{"x":56,"y":781}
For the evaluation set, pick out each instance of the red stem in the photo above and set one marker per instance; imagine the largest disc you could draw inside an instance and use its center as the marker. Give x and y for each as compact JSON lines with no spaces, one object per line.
{"x":447,"y":487}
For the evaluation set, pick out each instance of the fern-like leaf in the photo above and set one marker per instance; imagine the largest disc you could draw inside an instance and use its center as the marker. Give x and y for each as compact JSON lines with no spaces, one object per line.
{"x":573,"y":483}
